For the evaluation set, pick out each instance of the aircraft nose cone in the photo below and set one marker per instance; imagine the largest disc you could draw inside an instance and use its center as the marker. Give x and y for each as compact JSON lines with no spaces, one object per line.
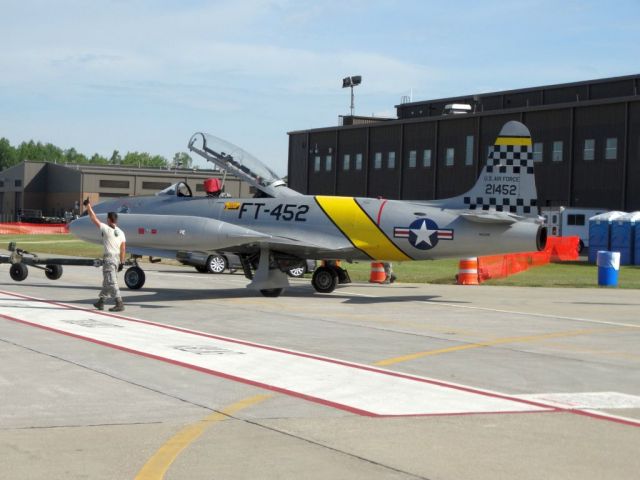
{"x":83,"y":228}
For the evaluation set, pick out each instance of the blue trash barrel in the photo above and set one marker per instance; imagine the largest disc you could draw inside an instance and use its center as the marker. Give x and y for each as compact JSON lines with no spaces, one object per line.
{"x":608,"y":268}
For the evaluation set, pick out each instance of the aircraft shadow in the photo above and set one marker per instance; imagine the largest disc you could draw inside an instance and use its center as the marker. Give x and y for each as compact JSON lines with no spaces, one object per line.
{"x":154,"y":297}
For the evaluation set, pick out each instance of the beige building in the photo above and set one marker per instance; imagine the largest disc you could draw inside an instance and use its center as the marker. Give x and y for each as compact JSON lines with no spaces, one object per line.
{"x":53,"y":190}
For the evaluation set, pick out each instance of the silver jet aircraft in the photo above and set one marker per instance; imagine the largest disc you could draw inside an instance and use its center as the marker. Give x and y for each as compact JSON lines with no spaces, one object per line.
{"x":279,"y":228}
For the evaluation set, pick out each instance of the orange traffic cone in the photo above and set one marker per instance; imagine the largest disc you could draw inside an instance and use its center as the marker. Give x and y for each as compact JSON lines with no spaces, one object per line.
{"x":378,"y":275}
{"x":468,"y":271}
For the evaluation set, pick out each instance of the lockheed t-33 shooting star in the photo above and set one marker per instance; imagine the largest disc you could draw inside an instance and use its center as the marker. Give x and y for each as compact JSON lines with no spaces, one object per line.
{"x":279,"y":228}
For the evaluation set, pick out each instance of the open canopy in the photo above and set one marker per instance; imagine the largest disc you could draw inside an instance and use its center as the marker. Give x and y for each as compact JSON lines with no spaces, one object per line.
{"x":238,"y":162}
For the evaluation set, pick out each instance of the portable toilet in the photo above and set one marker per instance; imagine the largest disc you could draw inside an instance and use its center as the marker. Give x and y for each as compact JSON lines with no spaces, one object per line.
{"x":600,"y":232}
{"x":623,"y":233}
{"x":636,"y":248}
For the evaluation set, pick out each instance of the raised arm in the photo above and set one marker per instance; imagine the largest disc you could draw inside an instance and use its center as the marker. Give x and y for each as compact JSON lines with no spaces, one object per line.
{"x":92,"y":214}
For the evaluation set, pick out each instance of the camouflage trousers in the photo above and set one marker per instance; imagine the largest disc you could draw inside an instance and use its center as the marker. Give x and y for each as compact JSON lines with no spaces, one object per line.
{"x":110,"y":278}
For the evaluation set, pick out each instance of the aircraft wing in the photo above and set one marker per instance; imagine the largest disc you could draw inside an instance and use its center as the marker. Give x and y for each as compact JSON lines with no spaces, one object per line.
{"x":491,"y":217}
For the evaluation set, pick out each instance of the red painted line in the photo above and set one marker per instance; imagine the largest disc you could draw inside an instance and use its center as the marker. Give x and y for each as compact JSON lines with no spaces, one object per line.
{"x":199,"y":369}
{"x":549,"y":408}
{"x":380,"y":211}
{"x":299,"y":354}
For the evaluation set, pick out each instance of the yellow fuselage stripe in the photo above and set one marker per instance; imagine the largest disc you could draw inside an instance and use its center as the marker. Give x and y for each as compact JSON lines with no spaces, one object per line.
{"x":514,"y":141}
{"x":359,"y":228}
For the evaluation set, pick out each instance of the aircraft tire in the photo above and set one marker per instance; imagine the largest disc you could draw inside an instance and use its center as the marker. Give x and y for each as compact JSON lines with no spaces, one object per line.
{"x":134,"y":278}
{"x":53,"y":272}
{"x":271,"y":292}
{"x":297,"y":272}
{"x":18,"y":272}
{"x":216,"y":264}
{"x":324,"y":280}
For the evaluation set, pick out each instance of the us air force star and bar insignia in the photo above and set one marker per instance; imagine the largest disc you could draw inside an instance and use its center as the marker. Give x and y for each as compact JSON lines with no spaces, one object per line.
{"x":423,"y":233}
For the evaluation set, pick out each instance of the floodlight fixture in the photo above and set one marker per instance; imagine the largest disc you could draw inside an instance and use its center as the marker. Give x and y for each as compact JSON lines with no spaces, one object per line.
{"x":350,"y":82}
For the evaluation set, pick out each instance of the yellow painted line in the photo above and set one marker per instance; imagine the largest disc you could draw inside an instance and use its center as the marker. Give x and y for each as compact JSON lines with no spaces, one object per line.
{"x":359,"y":228}
{"x":513,"y":141}
{"x":490,"y":343}
{"x":157,"y":466}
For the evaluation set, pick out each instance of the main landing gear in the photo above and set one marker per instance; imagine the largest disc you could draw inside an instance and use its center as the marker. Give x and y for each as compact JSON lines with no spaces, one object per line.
{"x":326,"y":278}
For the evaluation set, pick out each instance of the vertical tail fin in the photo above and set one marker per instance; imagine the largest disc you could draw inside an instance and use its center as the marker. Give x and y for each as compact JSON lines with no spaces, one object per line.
{"x":507,"y":182}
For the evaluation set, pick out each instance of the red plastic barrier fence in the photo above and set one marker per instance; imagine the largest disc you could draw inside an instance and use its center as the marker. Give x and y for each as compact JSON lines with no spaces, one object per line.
{"x":558,"y":249}
{"x":17,"y":228}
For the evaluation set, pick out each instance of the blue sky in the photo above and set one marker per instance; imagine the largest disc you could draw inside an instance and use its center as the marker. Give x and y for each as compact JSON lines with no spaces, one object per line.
{"x":143,"y":75}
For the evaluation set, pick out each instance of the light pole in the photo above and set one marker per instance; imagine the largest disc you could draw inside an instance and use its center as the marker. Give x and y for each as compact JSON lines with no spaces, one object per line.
{"x":351,"y":82}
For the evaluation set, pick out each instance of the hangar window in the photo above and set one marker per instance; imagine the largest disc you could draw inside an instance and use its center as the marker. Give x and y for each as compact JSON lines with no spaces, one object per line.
{"x":391,"y":160}
{"x":1,"y":183}
{"x":468,"y":159}
{"x":538,"y":150}
{"x":316,"y":163}
{"x":114,"y":183}
{"x":556,"y":154}
{"x":611,"y":152}
{"x":327,"y":163}
{"x":155,"y":185}
{"x":377,"y":160}
{"x":589,"y":152}
{"x":358,"y":161}
{"x":451,"y":152}
{"x":412,"y":158}
{"x":112,"y":195}
{"x":426,"y":158}
{"x":346,"y":162}
{"x":17,"y":183}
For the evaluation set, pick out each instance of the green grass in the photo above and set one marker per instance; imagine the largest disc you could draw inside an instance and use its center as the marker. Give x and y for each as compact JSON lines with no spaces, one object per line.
{"x":566,"y":274}
{"x":62,"y":244}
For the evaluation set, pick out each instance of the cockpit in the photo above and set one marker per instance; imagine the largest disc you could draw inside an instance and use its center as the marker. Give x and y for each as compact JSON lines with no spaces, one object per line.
{"x":180,"y":189}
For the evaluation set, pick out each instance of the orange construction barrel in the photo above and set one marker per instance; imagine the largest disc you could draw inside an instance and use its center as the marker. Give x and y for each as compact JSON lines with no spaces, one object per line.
{"x":468,"y":271}
{"x":378,"y":275}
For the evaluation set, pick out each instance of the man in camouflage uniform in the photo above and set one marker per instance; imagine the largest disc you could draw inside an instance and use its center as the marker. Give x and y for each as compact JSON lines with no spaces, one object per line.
{"x":114,"y":243}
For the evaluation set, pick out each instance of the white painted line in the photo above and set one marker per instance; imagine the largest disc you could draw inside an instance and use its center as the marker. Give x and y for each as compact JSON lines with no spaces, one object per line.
{"x":533,"y":314}
{"x":586,"y":400}
{"x":357,"y":388}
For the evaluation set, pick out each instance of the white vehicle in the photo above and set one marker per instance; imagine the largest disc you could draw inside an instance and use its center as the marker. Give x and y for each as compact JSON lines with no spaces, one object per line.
{"x":570,"y":222}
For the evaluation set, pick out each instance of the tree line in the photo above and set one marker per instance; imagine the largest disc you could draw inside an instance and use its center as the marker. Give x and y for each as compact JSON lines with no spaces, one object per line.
{"x":47,"y":152}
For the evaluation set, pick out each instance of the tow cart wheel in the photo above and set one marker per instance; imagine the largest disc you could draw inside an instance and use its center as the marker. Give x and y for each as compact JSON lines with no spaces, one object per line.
{"x":271,"y":292}
{"x":53,"y":272}
{"x":18,"y":272}
{"x":134,"y":277}
{"x":216,"y":264}
{"x":324,"y":280}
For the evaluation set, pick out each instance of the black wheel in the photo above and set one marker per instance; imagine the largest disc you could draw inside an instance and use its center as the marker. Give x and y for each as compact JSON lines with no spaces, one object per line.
{"x":53,"y":272}
{"x":297,"y":272}
{"x":580,"y":247}
{"x":271,"y":292}
{"x":18,"y":272}
{"x":134,"y":278}
{"x":201,"y":268}
{"x":324,"y":280}
{"x":216,"y":264}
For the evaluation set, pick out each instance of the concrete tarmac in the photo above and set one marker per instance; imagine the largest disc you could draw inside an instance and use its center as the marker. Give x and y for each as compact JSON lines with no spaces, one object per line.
{"x":75,"y":408}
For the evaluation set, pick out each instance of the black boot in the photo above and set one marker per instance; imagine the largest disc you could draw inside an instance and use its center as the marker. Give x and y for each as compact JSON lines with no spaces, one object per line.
{"x":99,"y":304}
{"x":119,"y":306}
